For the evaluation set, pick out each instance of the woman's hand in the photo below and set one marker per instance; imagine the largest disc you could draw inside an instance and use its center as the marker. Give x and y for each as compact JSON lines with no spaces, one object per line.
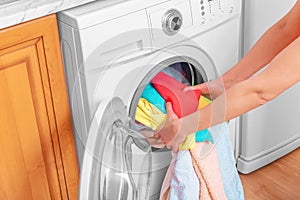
{"x":211,"y":89}
{"x":153,"y":141}
{"x":168,"y":132}
{"x":171,"y":132}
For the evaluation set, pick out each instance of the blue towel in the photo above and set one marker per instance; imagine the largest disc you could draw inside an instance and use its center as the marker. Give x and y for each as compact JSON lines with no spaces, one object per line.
{"x":204,"y":135}
{"x":151,"y":94}
{"x":231,"y":180}
{"x":184,"y":182}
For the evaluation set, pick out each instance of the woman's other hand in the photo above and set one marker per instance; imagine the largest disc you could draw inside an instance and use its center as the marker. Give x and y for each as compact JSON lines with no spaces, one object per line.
{"x":153,"y":141}
{"x":211,"y":89}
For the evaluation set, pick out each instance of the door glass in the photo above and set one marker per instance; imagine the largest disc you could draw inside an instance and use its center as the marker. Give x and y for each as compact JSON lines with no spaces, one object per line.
{"x":126,"y":171}
{"x":115,"y":167}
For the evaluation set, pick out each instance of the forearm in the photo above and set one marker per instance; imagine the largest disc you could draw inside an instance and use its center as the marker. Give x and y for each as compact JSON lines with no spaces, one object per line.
{"x":282,"y":73}
{"x":229,"y":105}
{"x":278,"y":37}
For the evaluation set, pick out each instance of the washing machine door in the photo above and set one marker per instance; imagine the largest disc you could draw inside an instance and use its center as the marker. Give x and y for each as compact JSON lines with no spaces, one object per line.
{"x":117,"y":160}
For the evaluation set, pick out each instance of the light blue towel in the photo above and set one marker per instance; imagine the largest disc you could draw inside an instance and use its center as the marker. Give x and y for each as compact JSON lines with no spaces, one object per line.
{"x":231,"y":180}
{"x":184,"y":182}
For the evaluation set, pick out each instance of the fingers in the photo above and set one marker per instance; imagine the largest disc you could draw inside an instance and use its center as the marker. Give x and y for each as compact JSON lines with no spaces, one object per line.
{"x":170,"y":112}
{"x":174,"y":148}
{"x":163,"y":127}
{"x":147,"y":133}
{"x":167,"y":134}
{"x":202,"y":87}
{"x":154,"y":142}
{"x":156,"y":135}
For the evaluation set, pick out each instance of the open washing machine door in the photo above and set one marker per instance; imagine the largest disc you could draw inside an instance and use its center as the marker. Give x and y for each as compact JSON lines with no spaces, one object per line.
{"x":117,"y":160}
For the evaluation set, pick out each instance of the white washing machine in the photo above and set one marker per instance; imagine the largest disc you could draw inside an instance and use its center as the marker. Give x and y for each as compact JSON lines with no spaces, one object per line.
{"x":112,"y":49}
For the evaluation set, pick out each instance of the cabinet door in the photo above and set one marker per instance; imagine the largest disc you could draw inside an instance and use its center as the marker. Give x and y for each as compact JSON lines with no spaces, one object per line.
{"x":37,"y":154}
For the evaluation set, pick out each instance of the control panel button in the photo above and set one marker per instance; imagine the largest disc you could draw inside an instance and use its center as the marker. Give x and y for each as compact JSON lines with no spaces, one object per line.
{"x":202,"y":21}
{"x":230,"y":10}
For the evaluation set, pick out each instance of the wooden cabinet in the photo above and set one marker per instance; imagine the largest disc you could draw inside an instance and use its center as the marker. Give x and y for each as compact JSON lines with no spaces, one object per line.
{"x":37,"y":152}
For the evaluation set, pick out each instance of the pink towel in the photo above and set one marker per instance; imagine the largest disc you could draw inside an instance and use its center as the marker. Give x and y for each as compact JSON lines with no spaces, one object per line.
{"x":165,"y":188}
{"x":206,"y":165}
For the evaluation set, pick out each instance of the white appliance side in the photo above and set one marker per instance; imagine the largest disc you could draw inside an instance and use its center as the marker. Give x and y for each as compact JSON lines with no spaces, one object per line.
{"x":272,"y":130}
{"x":70,"y":54}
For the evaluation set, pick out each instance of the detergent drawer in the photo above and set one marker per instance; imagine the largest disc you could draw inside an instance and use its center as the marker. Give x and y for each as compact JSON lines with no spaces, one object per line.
{"x":104,"y":43}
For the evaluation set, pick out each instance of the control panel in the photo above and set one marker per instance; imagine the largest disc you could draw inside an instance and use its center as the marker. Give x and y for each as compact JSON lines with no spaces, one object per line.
{"x":181,"y":19}
{"x":217,"y":10}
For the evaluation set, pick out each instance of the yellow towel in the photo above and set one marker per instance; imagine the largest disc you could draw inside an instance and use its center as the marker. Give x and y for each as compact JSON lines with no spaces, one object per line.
{"x":149,"y":115}
{"x":203,"y":101}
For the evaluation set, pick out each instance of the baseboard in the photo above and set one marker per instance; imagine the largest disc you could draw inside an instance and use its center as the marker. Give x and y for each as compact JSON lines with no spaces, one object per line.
{"x":247,"y":166}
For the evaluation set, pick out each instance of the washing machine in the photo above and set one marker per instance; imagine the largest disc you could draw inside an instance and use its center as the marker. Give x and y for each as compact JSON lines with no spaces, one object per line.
{"x":111,"y":51}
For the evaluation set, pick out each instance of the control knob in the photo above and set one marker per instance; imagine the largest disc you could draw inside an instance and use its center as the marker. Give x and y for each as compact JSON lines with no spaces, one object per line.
{"x":172,"y":22}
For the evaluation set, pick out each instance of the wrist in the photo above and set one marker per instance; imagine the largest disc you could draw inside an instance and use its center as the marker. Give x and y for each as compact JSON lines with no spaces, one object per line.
{"x":228,"y":81}
{"x":187,"y":125}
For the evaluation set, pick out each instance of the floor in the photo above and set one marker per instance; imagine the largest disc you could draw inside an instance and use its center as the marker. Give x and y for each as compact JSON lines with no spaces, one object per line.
{"x":279,"y":180}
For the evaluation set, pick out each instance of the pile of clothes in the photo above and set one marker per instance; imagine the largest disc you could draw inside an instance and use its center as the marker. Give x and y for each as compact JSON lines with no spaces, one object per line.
{"x":204,"y":167}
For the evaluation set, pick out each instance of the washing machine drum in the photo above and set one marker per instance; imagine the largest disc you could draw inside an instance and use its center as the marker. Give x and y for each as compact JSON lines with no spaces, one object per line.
{"x":108,"y":172}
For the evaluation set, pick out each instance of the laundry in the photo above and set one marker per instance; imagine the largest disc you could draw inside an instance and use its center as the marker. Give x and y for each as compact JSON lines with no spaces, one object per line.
{"x":175,"y":71}
{"x":151,"y":94}
{"x":203,"y":101}
{"x":172,"y":90}
{"x":180,"y":182}
{"x":214,"y":167}
{"x":150,"y":116}
{"x":231,"y":180}
{"x":207,"y":168}
{"x":211,"y":166}
{"x":183,"y":103}
{"x":184,"y":182}
{"x":165,"y":188}
{"x":203,"y":135}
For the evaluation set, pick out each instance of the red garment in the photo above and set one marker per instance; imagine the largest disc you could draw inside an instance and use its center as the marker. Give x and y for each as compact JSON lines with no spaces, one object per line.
{"x":183,"y":103}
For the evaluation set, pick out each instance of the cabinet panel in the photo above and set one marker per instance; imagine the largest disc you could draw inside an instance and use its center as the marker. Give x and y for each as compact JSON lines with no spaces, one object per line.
{"x":24,"y":113}
{"x":38,"y":159}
